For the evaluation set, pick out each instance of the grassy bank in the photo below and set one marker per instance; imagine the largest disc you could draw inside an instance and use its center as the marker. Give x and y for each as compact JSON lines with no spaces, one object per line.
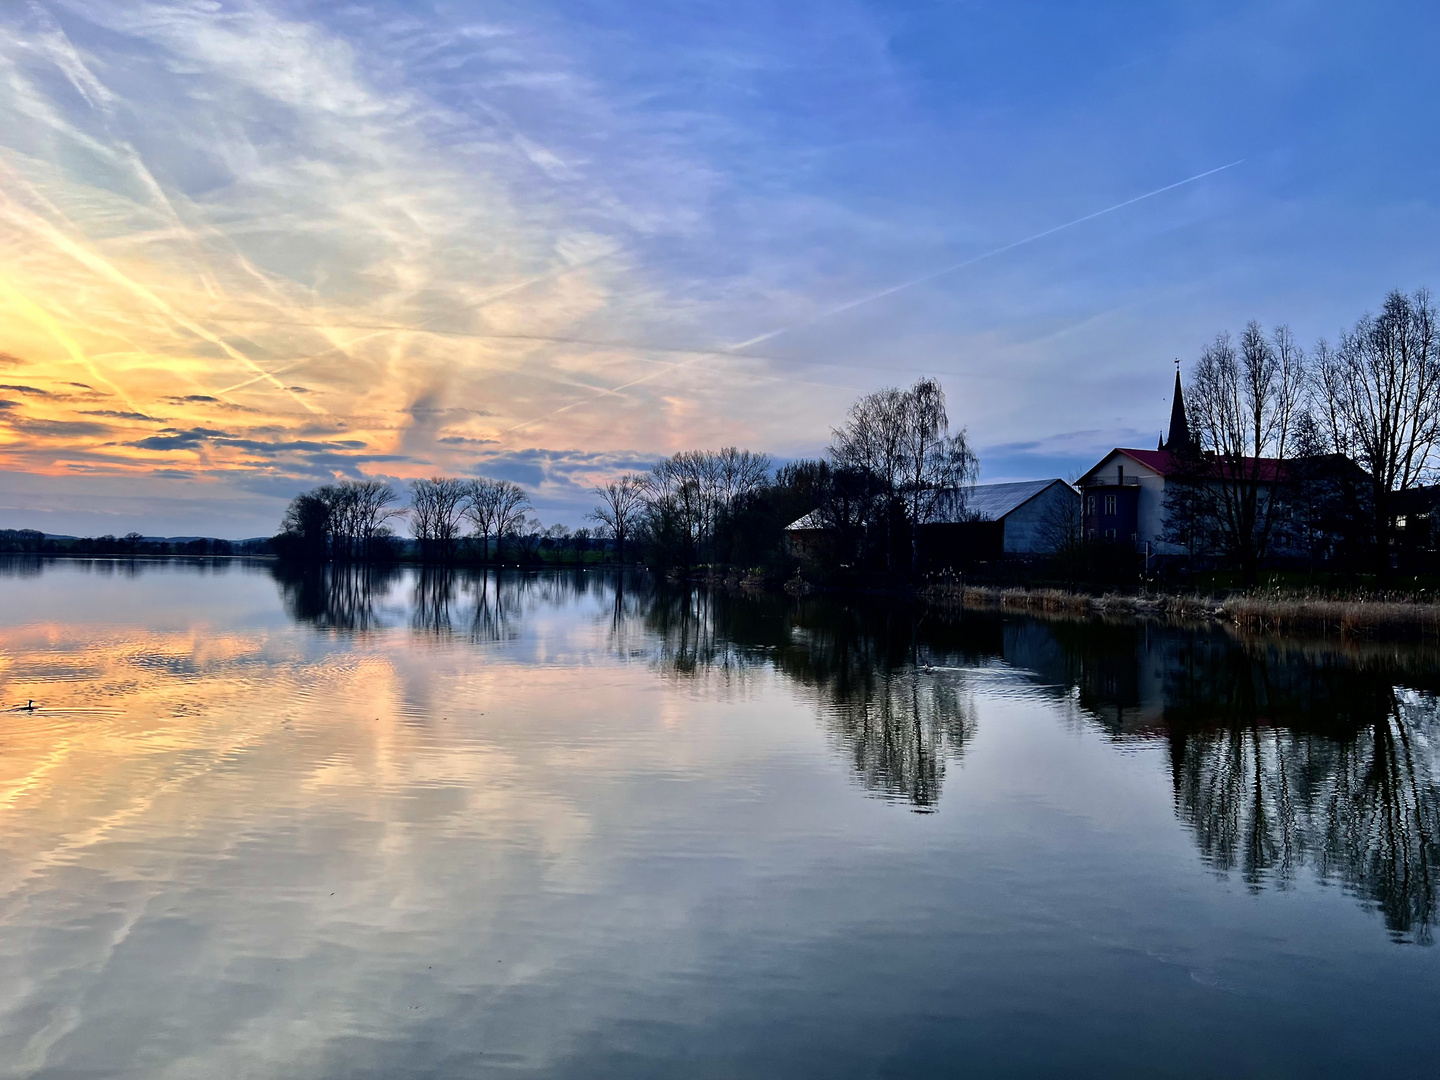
{"x":1353,"y":616}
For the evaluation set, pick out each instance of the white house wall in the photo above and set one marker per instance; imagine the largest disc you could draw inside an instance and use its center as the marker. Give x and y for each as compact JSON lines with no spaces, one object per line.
{"x":1150,"y":504}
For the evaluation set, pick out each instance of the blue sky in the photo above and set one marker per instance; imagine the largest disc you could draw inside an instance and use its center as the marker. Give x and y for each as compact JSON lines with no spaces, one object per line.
{"x":302,"y":240}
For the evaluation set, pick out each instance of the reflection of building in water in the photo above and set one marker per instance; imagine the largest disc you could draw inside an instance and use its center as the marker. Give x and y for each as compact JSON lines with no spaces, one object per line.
{"x":1286,"y":756}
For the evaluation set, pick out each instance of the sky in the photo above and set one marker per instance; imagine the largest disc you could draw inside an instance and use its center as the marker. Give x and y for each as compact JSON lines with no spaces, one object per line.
{"x":249,"y":247}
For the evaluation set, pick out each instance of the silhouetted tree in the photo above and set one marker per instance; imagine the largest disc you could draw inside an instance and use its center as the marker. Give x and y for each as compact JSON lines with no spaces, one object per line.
{"x":918,"y":471}
{"x":1381,"y":388}
{"x":1242,"y":406}
{"x":436,"y":509}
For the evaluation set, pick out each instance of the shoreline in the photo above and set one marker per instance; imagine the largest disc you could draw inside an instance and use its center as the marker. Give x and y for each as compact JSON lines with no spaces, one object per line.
{"x":1360,"y":616}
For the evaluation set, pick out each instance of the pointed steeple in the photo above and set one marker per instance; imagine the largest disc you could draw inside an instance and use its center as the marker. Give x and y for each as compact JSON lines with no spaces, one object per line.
{"x":1180,"y":438}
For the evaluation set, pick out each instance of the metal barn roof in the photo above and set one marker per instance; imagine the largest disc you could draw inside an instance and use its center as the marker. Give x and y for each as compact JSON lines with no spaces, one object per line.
{"x":991,"y":502}
{"x":988,"y":502}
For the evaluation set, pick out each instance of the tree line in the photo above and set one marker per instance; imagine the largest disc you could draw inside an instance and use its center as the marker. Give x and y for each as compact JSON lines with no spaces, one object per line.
{"x":891,"y":466}
{"x":1313,"y":453}
{"x":450,"y":519}
{"x":34,"y":542}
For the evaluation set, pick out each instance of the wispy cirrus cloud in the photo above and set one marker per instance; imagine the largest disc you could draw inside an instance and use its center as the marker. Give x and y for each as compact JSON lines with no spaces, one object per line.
{"x":448,"y":232}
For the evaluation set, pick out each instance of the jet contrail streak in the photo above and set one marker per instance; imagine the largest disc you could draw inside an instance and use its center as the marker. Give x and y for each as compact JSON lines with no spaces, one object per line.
{"x":731,"y":350}
{"x":975,"y":259}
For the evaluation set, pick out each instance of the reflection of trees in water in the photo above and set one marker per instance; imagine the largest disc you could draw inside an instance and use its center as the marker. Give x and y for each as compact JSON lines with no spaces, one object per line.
{"x":334,"y":596}
{"x":483,"y":604}
{"x":900,"y":729}
{"x":1363,"y":810}
{"x":871,"y":669}
{"x":1288,"y":755}
{"x":496,"y":604}
{"x":694,"y":633}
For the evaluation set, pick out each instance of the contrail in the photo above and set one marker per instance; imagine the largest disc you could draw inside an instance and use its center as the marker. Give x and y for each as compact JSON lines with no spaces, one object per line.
{"x":731,"y":350}
{"x":975,"y":259}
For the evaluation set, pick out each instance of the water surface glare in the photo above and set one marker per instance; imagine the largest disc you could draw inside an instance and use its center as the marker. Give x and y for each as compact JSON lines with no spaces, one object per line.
{"x":270,"y":823}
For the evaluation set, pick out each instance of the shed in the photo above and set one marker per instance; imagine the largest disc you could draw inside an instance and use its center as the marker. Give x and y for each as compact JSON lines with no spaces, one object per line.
{"x":1028,"y":512}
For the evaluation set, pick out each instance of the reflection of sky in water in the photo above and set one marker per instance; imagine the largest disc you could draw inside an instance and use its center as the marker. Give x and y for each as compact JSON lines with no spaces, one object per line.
{"x":570,"y":837}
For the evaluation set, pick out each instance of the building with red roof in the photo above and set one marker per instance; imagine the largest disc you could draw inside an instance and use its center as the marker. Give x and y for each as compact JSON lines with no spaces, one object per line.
{"x":1125,"y":492}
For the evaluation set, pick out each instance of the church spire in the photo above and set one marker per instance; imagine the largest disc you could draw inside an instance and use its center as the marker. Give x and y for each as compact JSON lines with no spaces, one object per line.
{"x":1179,"y":438}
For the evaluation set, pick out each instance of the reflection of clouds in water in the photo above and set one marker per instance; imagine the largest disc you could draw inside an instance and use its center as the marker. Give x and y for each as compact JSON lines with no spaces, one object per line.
{"x":353,"y":846}
{"x":202,"y":830}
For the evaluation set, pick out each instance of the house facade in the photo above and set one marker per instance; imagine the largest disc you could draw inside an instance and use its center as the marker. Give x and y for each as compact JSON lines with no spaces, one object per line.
{"x":1125,"y":496}
{"x":1124,"y":499}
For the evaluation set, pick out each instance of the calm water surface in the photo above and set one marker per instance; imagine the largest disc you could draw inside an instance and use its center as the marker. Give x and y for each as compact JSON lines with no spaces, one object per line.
{"x":268,"y":824}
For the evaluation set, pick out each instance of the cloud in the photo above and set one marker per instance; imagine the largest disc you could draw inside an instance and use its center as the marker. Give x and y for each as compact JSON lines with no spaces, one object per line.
{"x":63,"y":429}
{"x":171,"y":439}
{"x":114,"y":414}
{"x":35,"y":391}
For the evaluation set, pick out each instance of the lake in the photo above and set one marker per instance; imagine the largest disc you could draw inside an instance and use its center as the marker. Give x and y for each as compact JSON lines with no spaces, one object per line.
{"x":277,"y":823}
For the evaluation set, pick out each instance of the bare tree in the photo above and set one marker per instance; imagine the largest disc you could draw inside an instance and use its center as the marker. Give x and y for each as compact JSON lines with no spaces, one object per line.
{"x":511,"y":506}
{"x":528,"y":533}
{"x":622,"y":503}
{"x":937,"y":469}
{"x":1244,"y":403}
{"x":1382,"y":389}
{"x":372,"y":505}
{"x":1061,"y":533}
{"x":872,"y":442}
{"x":481,"y":504}
{"x":688,"y":496}
{"x":901,"y":439}
{"x":436,"y":508}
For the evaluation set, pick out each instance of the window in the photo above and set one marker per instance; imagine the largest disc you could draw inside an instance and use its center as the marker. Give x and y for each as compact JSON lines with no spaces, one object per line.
{"x":1110,"y":504}
{"x":1110,"y":534}
{"x":1400,"y":521}
{"x":1090,"y":505}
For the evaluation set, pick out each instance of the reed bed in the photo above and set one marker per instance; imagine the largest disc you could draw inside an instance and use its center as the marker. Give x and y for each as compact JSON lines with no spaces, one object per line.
{"x":1260,"y":613}
{"x":1352,"y":616}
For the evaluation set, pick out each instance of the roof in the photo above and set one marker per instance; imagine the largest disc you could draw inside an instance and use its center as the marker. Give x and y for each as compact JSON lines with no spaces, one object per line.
{"x":1179,"y":437}
{"x":808,"y":522}
{"x":987,"y":502}
{"x":991,"y":502}
{"x":1167,"y":464}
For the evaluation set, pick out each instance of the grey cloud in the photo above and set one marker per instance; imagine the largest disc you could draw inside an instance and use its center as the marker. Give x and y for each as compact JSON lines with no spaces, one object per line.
{"x":207,"y":399}
{"x":68,"y":428}
{"x":114,"y":414}
{"x":173,"y":439}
